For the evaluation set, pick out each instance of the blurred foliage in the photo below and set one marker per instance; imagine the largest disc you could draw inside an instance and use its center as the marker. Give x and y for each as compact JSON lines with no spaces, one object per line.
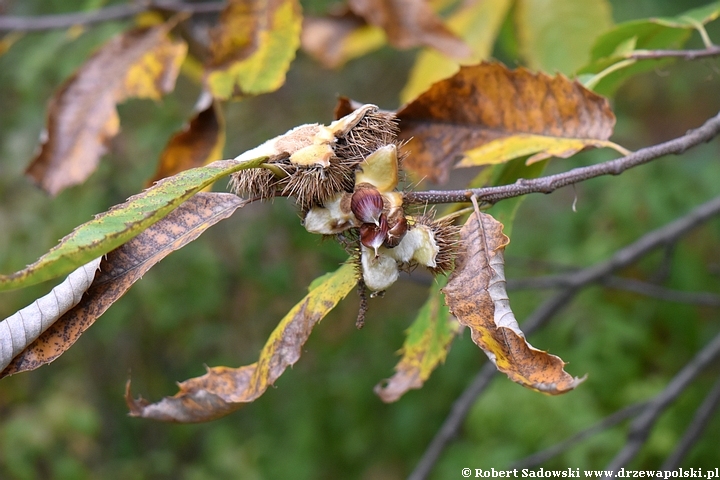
{"x":216,"y":301}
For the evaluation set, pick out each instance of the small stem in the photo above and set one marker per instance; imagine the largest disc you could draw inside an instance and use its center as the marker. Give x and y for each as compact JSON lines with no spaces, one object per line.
{"x":363,"y":308}
{"x":710,"y":51}
{"x":115,"y":12}
{"x":701,"y":29}
{"x":595,"y":79}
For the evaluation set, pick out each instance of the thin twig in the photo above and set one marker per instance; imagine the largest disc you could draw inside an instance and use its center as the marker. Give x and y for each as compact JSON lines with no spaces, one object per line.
{"x":363,"y":307}
{"x":577,"y":281}
{"x":550,"y":183}
{"x":610,"y":421}
{"x":710,"y":51}
{"x":705,"y":299}
{"x":647,"y":289}
{"x":451,"y":426}
{"x":115,"y":12}
{"x":642,"y":426}
{"x":694,"y":431}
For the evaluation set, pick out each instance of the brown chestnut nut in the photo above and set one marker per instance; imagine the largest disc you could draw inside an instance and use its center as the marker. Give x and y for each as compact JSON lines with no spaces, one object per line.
{"x":396,"y":232}
{"x":373,"y":236}
{"x":367,"y":204}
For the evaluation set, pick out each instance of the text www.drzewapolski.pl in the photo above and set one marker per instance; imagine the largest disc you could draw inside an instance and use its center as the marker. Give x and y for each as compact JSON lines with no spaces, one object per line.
{"x":707,"y":474}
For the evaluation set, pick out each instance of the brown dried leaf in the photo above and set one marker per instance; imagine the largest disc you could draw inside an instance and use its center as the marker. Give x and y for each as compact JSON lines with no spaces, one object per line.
{"x":121,"y":268}
{"x":82,"y":119}
{"x":476,"y":295}
{"x":411,"y":23}
{"x":200,"y":143}
{"x":223,"y":390}
{"x":488,"y":103}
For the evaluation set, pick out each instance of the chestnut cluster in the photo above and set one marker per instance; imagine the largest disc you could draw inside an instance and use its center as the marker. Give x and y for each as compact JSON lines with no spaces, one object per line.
{"x":345,"y":179}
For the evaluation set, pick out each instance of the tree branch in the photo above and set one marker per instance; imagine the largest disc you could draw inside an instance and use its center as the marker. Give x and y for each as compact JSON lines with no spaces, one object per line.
{"x":451,"y":426}
{"x":575,"y":283}
{"x":642,"y":426}
{"x":705,"y":299}
{"x":114,"y":12}
{"x":711,"y":51}
{"x":550,"y":183}
{"x":619,"y":283}
{"x":703,"y":414}
{"x":610,"y":421}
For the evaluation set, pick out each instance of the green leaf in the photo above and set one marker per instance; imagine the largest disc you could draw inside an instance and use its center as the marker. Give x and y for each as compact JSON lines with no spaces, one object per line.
{"x":117,"y":271}
{"x":556,"y":35}
{"x":426,"y":346}
{"x":121,"y":223}
{"x":609,"y":65}
{"x":692,"y":18}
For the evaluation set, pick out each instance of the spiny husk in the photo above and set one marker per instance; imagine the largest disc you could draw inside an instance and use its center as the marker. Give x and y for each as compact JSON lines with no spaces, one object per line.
{"x":254,"y":183}
{"x":314,"y":184}
{"x":374,"y":130}
{"x":447,"y":238}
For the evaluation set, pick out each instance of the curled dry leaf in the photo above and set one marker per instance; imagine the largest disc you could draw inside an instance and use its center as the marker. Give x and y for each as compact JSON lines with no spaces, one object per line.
{"x":82,"y":118}
{"x":478,"y":24}
{"x":337,"y":38}
{"x":22,"y":328}
{"x":476,"y":295}
{"x":252,"y":46}
{"x":411,"y":23}
{"x":122,"y":222}
{"x":121,"y":268}
{"x":223,"y":390}
{"x":200,"y":143}
{"x":425,"y":348}
{"x":489,"y":114}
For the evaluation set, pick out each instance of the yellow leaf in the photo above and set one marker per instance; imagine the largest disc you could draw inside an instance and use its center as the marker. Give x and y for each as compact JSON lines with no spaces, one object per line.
{"x":155,"y":73}
{"x":223,"y":390}
{"x":253,"y":46}
{"x":540,"y":147}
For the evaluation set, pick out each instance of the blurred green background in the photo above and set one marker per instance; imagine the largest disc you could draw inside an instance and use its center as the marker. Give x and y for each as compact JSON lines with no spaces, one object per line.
{"x":215,"y":301}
